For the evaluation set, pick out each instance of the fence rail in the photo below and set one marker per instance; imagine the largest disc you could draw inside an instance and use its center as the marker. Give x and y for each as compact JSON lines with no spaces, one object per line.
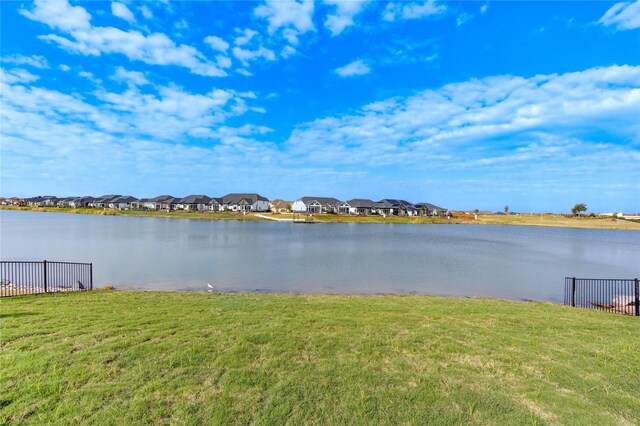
{"x":612,"y":295}
{"x":29,"y":277}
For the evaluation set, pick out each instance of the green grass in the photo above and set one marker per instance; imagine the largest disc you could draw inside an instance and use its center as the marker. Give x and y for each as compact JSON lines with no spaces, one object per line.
{"x":522,"y":219}
{"x":116,"y":357}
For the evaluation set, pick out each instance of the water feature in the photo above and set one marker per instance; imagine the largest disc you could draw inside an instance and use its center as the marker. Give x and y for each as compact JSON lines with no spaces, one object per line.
{"x":512,"y":262}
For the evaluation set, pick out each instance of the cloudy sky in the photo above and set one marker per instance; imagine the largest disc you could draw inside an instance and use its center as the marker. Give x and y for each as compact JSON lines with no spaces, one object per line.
{"x":464,"y":105}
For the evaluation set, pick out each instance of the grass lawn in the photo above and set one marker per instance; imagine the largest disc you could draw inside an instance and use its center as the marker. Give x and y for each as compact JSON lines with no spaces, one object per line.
{"x":521,"y":219}
{"x":120,"y":357}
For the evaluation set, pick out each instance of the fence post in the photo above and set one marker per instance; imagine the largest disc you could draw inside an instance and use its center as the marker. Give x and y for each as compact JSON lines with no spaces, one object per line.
{"x":91,"y":276}
{"x":637,"y":286}
{"x":45,"y":275}
{"x":573,"y":292}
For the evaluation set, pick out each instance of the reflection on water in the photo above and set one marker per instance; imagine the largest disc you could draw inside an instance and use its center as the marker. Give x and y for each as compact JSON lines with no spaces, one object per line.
{"x":460,"y":260}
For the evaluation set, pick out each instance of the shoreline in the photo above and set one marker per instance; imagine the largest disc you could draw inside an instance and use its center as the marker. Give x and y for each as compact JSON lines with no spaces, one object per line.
{"x":545,"y":220}
{"x":266,"y":292}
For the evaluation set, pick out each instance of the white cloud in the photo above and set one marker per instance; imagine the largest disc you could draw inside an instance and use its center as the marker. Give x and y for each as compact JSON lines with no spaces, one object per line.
{"x":624,"y":16}
{"x":223,"y":61}
{"x":32,"y":61}
{"x":167,"y":114}
{"x":245,"y":55}
{"x":59,"y":14}
{"x":287,"y":51}
{"x":17,"y":76}
{"x":87,"y":75}
{"x":121,"y":11}
{"x":487,"y":120}
{"x":293,"y":13}
{"x":146,"y":12}
{"x":291,"y":36}
{"x":61,"y":141}
{"x":154,"y":49}
{"x":354,"y":68}
{"x":182,"y":24}
{"x":344,"y":14}
{"x":484,"y":8}
{"x":462,"y":19}
{"x":394,"y":11}
{"x":132,"y":78}
{"x":217,"y":43}
{"x":64,"y":67}
{"x":246,"y":36}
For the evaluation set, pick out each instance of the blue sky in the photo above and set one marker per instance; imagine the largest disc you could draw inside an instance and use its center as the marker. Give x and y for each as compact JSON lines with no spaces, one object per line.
{"x":465,"y":105}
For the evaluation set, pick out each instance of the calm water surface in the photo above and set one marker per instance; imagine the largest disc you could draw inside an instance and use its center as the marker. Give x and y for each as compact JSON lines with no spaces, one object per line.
{"x":510,"y":262}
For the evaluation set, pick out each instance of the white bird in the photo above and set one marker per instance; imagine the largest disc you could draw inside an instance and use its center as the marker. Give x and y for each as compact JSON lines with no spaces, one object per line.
{"x":210,"y":287}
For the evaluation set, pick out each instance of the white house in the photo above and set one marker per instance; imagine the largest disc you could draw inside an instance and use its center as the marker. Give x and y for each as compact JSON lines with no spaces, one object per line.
{"x":318,"y":205}
{"x":216,"y":204}
{"x":194,"y":202}
{"x":361,"y":206}
{"x":122,"y":202}
{"x":245,"y":202}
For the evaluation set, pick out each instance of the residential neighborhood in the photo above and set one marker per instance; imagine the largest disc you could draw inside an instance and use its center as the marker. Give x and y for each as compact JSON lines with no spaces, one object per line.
{"x":237,"y":202}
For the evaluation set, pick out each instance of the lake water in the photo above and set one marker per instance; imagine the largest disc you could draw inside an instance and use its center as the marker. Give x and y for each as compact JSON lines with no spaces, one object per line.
{"x":509,"y":262}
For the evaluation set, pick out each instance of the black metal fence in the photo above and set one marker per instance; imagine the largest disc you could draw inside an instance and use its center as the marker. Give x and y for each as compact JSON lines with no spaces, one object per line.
{"x":612,"y":295}
{"x":25,"y":277}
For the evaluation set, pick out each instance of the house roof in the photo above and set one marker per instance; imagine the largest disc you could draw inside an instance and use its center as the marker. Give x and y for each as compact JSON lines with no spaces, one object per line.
{"x":195,"y":199}
{"x":123,"y":199}
{"x":361,"y":203}
{"x":217,"y":200}
{"x":158,"y":199}
{"x":171,"y":200}
{"x":325,"y":201}
{"x":428,"y":206}
{"x":234,"y":198}
{"x":106,"y":198}
{"x":391,"y":203}
{"x":280,"y":204}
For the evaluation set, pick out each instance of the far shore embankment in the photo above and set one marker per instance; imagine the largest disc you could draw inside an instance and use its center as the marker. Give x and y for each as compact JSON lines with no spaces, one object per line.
{"x":532,"y":219}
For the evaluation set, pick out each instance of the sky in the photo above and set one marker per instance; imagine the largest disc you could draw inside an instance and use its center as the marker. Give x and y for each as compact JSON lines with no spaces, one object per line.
{"x":466,"y":105}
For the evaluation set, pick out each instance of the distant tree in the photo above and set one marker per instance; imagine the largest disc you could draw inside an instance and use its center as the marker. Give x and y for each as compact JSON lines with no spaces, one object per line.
{"x":506,"y":209}
{"x":476,"y":211}
{"x":579,"y":208}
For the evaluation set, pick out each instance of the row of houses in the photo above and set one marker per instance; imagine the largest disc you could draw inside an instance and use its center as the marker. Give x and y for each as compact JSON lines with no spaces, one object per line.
{"x":244,"y":202}
{"x":361,"y":206}
{"x":230,"y":202}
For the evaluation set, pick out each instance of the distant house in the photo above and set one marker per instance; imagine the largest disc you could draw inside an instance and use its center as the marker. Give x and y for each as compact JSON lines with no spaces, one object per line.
{"x":103,"y":201}
{"x":75,"y":202}
{"x":427,"y":209}
{"x":245,"y":202}
{"x":78,"y":202}
{"x":279,"y":206}
{"x":169,"y":203}
{"x":194,"y":202}
{"x":15,"y":201}
{"x":317,"y":205}
{"x":154,"y":203}
{"x":361,"y":206}
{"x":216,"y":204}
{"x":41,"y":201}
{"x":62,"y":202}
{"x":122,"y":202}
{"x":390,"y":206}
